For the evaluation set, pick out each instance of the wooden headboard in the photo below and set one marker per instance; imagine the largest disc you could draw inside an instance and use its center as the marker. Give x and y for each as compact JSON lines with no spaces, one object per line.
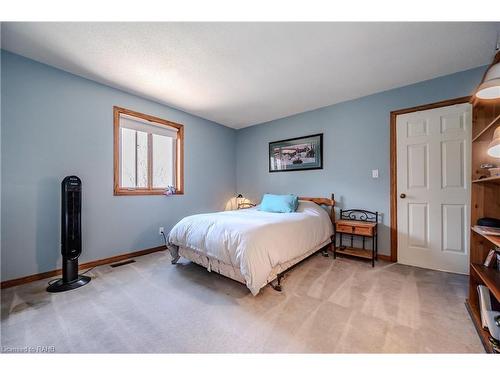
{"x":320,"y":201}
{"x":323,"y":202}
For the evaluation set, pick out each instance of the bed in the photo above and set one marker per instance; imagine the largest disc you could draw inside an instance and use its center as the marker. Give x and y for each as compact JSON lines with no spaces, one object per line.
{"x":254,"y":247}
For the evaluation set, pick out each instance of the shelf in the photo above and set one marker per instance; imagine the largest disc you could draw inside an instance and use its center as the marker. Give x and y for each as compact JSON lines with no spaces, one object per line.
{"x":493,"y":180}
{"x":495,"y":240}
{"x":490,"y":277}
{"x":484,"y":334}
{"x":496,"y":121}
{"x":355,"y":252}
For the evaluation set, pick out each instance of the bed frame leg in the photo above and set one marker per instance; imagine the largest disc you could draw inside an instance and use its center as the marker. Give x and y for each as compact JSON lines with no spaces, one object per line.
{"x":174,"y":253}
{"x":277,"y":287}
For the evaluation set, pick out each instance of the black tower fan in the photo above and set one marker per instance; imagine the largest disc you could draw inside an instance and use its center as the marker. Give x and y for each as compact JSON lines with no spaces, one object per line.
{"x":71,"y":236}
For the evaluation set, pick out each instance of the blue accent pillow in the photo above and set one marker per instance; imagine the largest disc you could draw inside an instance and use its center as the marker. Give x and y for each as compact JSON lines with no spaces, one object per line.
{"x":279,"y":203}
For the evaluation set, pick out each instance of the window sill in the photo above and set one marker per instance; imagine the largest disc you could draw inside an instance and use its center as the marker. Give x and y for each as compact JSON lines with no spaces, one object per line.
{"x":143,"y":192}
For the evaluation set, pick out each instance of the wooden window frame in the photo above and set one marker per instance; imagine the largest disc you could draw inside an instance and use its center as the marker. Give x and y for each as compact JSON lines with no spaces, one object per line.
{"x":179,"y":162}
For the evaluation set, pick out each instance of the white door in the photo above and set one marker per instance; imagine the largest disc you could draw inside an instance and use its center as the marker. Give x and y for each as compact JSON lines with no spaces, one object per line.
{"x":433,"y":188}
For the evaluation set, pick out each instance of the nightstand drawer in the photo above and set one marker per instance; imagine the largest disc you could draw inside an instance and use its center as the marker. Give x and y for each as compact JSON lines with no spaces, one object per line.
{"x":355,"y":229}
{"x":345,"y":228}
{"x":364,"y":231}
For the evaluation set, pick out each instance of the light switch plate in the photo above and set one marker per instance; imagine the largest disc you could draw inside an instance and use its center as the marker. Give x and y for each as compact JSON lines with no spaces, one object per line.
{"x":374,"y":173}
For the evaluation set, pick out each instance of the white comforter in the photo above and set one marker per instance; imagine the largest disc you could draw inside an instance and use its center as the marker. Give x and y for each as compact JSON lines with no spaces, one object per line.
{"x":254,"y":241}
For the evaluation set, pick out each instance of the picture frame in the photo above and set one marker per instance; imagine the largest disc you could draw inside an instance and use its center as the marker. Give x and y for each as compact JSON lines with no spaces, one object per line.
{"x":296,"y":154}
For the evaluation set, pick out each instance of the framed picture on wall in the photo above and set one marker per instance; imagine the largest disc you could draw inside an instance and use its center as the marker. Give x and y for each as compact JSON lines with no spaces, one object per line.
{"x":296,"y":154}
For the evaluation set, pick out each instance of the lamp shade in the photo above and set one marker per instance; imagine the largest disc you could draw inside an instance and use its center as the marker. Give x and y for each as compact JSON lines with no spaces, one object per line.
{"x":490,"y":87}
{"x":494,"y":146}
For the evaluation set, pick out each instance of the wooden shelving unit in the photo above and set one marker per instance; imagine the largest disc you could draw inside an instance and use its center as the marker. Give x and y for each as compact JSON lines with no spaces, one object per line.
{"x":495,"y":240}
{"x":485,"y":202}
{"x":487,"y":130}
{"x":484,"y":335}
{"x":493,"y":180}
{"x":480,"y":274}
{"x":490,"y":277}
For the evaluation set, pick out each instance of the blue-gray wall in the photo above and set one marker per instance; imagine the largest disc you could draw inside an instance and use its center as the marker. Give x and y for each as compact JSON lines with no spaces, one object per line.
{"x":356,"y":140}
{"x":56,"y":124}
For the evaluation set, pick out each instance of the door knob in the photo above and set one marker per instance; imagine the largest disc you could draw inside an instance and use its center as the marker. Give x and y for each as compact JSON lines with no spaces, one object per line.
{"x":402,"y":196}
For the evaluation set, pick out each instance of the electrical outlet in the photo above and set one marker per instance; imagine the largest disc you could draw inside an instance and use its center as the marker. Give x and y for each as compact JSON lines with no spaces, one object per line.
{"x":374,"y":173}
{"x":161,"y":231}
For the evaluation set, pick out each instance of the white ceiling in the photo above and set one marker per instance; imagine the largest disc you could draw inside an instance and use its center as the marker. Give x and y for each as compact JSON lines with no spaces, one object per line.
{"x":241,"y":74}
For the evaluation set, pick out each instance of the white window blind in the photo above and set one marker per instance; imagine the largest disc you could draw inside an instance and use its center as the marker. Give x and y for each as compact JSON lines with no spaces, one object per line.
{"x":135,"y":123}
{"x":148,"y":154}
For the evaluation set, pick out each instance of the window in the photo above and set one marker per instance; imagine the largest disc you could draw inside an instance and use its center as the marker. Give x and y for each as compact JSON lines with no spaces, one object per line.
{"x":148,"y":154}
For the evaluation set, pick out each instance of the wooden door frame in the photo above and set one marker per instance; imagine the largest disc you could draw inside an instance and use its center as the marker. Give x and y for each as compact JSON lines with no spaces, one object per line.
{"x":394,"y":162}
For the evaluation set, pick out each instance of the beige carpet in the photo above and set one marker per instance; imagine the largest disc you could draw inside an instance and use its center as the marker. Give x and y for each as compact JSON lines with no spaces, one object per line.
{"x":332,"y":306}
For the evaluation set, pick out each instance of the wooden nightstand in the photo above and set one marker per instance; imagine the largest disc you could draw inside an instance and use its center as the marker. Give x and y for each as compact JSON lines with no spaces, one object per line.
{"x":360,"y":223}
